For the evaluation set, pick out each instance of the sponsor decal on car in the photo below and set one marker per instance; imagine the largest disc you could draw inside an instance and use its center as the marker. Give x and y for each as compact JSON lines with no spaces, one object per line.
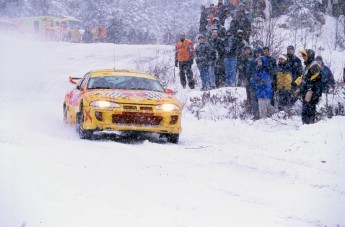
{"x":88,"y":115}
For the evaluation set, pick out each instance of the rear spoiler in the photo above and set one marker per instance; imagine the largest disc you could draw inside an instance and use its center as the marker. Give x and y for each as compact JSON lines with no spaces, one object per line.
{"x":72,"y":79}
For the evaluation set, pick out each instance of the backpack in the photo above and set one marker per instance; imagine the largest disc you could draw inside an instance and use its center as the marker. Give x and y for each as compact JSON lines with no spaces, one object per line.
{"x":324,"y":81}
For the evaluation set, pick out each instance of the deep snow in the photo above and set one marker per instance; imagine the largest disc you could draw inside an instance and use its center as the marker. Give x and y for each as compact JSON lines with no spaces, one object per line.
{"x":222,"y":173}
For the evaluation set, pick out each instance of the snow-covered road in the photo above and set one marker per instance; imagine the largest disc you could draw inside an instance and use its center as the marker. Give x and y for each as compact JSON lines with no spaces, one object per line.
{"x":224,"y":173}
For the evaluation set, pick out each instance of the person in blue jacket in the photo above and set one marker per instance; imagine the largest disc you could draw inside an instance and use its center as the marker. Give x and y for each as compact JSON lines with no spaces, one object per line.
{"x":327,"y":77}
{"x":262,"y":83}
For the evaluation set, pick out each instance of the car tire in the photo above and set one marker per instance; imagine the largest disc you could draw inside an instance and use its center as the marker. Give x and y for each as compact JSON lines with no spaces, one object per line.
{"x":83,"y":133}
{"x":172,"y":138}
{"x":65,"y":113}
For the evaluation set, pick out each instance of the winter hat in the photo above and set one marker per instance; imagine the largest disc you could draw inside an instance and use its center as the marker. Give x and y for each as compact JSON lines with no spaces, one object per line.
{"x":214,"y":28}
{"x":291,"y":47}
{"x":239,"y":32}
{"x":247,"y":48}
{"x":309,"y":53}
{"x":318,"y":58}
{"x":242,"y":6}
{"x":201,"y":36}
{"x":258,"y":50}
{"x":282,"y":56}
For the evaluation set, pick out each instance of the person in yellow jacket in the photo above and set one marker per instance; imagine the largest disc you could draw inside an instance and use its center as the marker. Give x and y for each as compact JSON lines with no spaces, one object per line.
{"x":94,"y":32}
{"x":283,"y":82}
{"x":184,"y":58}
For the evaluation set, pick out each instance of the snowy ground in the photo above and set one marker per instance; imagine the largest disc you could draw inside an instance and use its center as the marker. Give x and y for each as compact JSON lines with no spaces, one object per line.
{"x":224,"y":173}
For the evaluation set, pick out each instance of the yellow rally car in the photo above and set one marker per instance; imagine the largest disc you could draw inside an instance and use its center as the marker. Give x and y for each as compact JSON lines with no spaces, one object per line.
{"x":122,"y":100}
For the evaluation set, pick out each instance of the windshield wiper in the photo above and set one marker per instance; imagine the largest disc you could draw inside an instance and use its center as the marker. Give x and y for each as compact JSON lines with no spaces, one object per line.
{"x":101,"y":88}
{"x":135,"y":88}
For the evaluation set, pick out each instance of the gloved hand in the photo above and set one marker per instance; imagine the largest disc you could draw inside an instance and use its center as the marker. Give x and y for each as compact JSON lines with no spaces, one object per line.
{"x":296,"y":92}
{"x":308,"y":96}
{"x":176,"y":63}
{"x":191,"y":61}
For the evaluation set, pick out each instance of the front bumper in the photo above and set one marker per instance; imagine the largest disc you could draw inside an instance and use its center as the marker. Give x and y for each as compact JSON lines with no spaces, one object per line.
{"x":143,"y":119}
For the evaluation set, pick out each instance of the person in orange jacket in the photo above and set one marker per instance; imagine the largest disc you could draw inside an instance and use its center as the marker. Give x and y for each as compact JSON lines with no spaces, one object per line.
{"x":184,"y":58}
{"x":75,"y":35}
{"x":103,"y":33}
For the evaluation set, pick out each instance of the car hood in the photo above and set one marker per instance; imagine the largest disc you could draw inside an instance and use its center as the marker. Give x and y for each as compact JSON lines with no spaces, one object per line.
{"x":133,"y":96}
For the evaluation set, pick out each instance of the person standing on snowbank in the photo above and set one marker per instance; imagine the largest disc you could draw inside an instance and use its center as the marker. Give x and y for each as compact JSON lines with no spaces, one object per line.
{"x":204,"y":58}
{"x":184,"y":58}
{"x":310,"y":89}
{"x":262,"y":83}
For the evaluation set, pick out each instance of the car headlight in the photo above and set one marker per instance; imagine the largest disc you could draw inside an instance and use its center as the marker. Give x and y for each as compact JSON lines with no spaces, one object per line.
{"x":167,"y":107}
{"x":104,"y":104}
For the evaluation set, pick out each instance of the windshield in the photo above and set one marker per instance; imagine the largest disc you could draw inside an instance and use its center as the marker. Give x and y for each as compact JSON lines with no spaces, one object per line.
{"x":124,"y":82}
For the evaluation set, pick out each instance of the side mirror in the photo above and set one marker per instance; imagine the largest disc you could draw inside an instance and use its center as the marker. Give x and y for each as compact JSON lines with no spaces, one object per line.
{"x":164,"y":83}
{"x":169,"y":91}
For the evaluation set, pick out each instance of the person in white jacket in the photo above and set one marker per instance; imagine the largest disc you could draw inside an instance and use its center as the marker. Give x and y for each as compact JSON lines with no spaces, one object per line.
{"x":229,"y":18}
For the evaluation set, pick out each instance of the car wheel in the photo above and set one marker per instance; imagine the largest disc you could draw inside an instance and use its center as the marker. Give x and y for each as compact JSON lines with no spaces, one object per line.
{"x":172,"y":138}
{"x":83,"y":133}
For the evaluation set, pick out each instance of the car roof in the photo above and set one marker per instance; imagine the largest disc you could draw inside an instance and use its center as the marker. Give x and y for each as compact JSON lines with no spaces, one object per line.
{"x":120,"y":72}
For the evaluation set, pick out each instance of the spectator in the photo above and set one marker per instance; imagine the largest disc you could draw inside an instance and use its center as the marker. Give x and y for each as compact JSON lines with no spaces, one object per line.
{"x":214,"y":43}
{"x":272,"y":62}
{"x":217,"y":27}
{"x":228,"y":20}
{"x":233,"y":47}
{"x":242,"y":22}
{"x":229,"y":5}
{"x":272,"y":66}
{"x":203,"y":20}
{"x":283,"y":82}
{"x":212,"y":15}
{"x":94,"y":32}
{"x":221,"y":12}
{"x":184,"y":59}
{"x":326,"y":76}
{"x":75,"y":35}
{"x":104,"y":33}
{"x":243,"y":62}
{"x":251,"y":70}
{"x":219,"y":68}
{"x":295,"y":65}
{"x":203,"y":54}
{"x":87,"y":36}
{"x":310,"y":89}
{"x":262,"y":84}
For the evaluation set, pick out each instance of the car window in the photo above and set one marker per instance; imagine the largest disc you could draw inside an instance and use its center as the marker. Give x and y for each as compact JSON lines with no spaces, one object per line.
{"x":124,"y":82}
{"x":84,"y":81}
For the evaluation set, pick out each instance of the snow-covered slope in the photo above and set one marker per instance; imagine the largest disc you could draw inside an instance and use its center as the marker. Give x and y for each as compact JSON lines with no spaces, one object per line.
{"x":224,"y":173}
